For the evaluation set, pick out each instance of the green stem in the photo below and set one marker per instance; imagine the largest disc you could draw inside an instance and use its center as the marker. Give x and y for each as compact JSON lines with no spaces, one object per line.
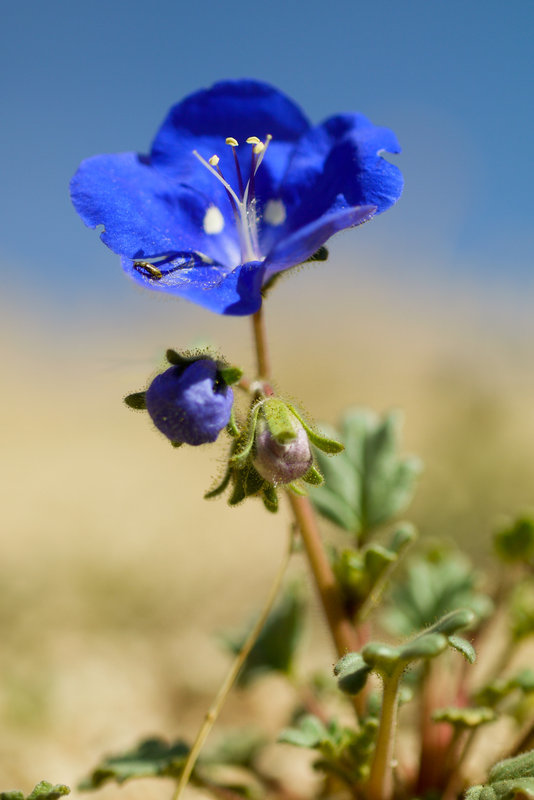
{"x":215,"y":708}
{"x":380,"y":784}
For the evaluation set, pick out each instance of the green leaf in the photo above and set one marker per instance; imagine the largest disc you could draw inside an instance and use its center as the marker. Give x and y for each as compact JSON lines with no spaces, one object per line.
{"x":508,"y":779}
{"x":276,"y":646}
{"x":236,"y":747}
{"x":465,"y":717}
{"x":352,"y":673}
{"x":454,"y":621}
{"x":464,"y":647}
{"x":371,"y":483}
{"x":515,"y":542}
{"x":334,"y":508}
{"x":434,"y":585}
{"x":137,"y":400}
{"x":428,"y":645}
{"x":150,"y":759}
{"x":521,"y":610}
{"x":309,"y":733}
{"x":382,"y":658}
{"x":521,"y":766}
{"x":43,"y":791}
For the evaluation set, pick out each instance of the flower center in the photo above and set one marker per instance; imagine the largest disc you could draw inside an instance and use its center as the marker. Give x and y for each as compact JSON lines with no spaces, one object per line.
{"x":243,"y":201}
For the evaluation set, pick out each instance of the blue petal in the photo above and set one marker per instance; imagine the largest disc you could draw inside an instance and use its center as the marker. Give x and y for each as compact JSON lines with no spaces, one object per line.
{"x":340,"y":157}
{"x":235,"y":292}
{"x":144,"y":213}
{"x":205,"y":119}
{"x":303,"y":243}
{"x":232,"y":108}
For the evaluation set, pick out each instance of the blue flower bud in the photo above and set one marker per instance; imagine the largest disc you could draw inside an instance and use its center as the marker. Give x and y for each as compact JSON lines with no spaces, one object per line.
{"x":281,"y":463}
{"x":190,"y":403}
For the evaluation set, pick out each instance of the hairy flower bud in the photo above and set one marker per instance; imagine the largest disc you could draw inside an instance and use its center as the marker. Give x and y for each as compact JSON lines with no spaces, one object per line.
{"x":281,"y":463}
{"x":190,"y":403}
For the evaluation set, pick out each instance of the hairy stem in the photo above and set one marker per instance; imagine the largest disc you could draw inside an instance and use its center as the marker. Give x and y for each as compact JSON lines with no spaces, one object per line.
{"x":380,"y":785}
{"x":339,"y":622}
{"x":341,"y":627}
{"x":215,"y":708}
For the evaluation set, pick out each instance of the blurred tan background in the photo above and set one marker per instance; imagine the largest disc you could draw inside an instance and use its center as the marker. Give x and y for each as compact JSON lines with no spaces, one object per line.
{"x":115,"y":572}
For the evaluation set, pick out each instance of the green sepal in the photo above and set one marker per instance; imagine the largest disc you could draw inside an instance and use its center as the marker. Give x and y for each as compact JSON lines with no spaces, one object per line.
{"x":232,"y":427}
{"x":465,"y":717}
{"x":464,"y":647}
{"x":178,"y":360}
{"x":219,"y":489}
{"x":238,"y":491}
{"x":176,"y":443}
{"x":150,"y":759}
{"x":297,"y":489}
{"x":352,"y":673}
{"x":313,"y":476}
{"x":239,"y":459}
{"x":322,"y":443}
{"x":320,"y":255}
{"x":137,"y":400}
{"x":270,"y":498}
{"x":43,"y":791}
{"x":230,"y":374}
{"x":279,"y":420}
{"x":247,"y":482}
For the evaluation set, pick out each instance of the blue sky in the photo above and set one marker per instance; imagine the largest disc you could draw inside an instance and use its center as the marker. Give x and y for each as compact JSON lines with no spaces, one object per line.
{"x":453,"y":80}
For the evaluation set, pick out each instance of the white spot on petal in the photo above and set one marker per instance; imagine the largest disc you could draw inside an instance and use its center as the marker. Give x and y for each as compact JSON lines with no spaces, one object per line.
{"x":213,"y":220}
{"x":275,"y":212}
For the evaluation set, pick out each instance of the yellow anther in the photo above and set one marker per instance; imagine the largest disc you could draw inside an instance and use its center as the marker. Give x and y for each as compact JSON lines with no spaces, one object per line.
{"x":259,"y":148}
{"x":231,"y":141}
{"x":253,"y":140}
{"x":214,"y":160}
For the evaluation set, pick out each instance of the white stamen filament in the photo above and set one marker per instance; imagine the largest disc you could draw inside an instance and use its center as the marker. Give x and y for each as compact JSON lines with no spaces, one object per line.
{"x":246,"y":210}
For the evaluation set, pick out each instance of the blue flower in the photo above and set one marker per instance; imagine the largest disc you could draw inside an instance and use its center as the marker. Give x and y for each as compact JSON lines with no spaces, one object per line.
{"x":238,"y":187}
{"x":191,"y":403}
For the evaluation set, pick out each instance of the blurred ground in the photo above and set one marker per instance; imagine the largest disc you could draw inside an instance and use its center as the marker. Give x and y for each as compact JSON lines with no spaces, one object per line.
{"x":115,"y":573}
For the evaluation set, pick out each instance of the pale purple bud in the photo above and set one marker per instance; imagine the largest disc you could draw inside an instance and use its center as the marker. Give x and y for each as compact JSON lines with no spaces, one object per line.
{"x":281,"y":463}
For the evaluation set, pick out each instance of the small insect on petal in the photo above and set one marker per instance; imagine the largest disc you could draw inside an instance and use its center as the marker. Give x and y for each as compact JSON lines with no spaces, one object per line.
{"x":148,"y":270}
